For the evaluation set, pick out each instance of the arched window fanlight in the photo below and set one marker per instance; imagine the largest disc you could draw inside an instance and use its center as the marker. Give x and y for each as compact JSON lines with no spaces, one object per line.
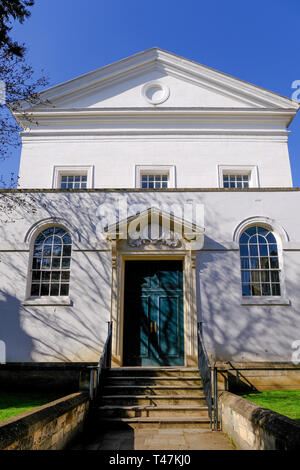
{"x":260,"y":271}
{"x":51,"y":263}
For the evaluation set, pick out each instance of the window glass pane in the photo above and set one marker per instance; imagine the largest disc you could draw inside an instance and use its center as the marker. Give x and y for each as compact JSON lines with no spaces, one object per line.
{"x":67,"y":250}
{"x":245,"y":276}
{"x":253,"y":240}
{"x":256,"y":289}
{"x":266,"y":289}
{"x":253,"y":250}
{"x":275,"y":289}
{"x":274,"y":263}
{"x":65,"y":276}
{"x":273,"y":250}
{"x":263,"y":250}
{"x":262,"y":231}
{"x":274,"y":276}
{"x":244,"y":238}
{"x":265,"y":276}
{"x":66,"y":263}
{"x":245,"y":263}
{"x":36,"y":263}
{"x":46,"y":275}
{"x":45,"y":289}
{"x":254,"y":263}
{"x":244,"y":250}
{"x":55,"y":263}
{"x":67,"y":239}
{"x":36,"y":275}
{"x":54,"y":289}
{"x":271,"y":238}
{"x":46,"y":263}
{"x":57,"y":250}
{"x":35,"y":290}
{"x":264,"y":263}
{"x":55,"y":276}
{"x":64,"y":289}
{"x":251,"y":231}
{"x":246,"y":290}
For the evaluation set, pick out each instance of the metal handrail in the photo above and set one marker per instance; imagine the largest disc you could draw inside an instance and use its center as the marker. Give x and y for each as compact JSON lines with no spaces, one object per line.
{"x":103,"y":364}
{"x":209,"y":380}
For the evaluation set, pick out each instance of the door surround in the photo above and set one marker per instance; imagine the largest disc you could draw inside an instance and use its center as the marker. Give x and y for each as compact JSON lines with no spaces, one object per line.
{"x":119,"y":258}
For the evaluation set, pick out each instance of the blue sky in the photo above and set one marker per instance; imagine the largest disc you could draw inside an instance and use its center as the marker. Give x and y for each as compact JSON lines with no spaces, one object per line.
{"x":257,"y":41}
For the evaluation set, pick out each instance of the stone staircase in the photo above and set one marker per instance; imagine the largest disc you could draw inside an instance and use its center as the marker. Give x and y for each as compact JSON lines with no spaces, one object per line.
{"x":151,"y":397}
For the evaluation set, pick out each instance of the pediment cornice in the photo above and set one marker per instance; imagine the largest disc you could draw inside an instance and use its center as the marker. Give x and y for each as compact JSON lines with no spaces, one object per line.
{"x":170,"y":64}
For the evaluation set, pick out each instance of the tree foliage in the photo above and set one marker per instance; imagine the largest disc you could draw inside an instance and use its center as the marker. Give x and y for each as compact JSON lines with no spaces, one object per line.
{"x":19,"y":83}
{"x":13,"y":10}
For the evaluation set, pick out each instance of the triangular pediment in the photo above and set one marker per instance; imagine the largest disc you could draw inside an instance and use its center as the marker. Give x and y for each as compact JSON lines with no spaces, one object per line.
{"x":156,"y":78}
{"x":154,"y":226}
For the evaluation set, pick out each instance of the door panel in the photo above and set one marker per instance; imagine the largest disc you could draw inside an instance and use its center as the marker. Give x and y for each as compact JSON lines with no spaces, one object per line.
{"x":153,"y":313}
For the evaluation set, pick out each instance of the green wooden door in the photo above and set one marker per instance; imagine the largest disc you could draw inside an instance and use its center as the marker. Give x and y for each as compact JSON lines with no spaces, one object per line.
{"x":153,"y":313}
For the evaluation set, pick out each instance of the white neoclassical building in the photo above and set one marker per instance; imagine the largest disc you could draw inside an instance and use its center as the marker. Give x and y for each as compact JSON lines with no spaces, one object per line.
{"x":163,"y":197}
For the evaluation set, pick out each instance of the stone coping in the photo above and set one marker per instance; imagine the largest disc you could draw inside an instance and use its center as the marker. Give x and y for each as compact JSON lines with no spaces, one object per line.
{"x":18,"y":427}
{"x":137,"y":190}
{"x":286,"y":431}
{"x":20,"y":366}
{"x":255,"y":365}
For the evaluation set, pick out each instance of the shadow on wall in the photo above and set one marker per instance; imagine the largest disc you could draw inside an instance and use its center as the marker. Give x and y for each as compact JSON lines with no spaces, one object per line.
{"x":16,"y":340}
{"x":233,"y":332}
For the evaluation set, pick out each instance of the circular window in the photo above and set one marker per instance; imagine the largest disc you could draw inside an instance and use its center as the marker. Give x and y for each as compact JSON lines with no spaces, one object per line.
{"x":155,"y":92}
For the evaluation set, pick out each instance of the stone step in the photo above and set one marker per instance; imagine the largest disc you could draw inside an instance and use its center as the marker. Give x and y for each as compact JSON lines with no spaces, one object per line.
{"x":153,"y":371}
{"x":159,"y":422}
{"x":159,"y":400}
{"x":149,"y":411}
{"x":141,"y":380}
{"x":151,"y":390}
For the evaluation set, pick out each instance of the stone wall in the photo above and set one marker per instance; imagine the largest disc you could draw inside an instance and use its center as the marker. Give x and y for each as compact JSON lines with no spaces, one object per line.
{"x":50,"y":427}
{"x":252,"y":427}
{"x":258,"y":376}
{"x":41,"y":376}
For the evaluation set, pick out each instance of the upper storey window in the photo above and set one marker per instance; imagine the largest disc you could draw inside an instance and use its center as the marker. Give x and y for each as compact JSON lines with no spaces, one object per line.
{"x":157,"y":181}
{"x":236,"y":181}
{"x":238,"y":176}
{"x":73,"y":182}
{"x":155,"y":176}
{"x":73,"y":177}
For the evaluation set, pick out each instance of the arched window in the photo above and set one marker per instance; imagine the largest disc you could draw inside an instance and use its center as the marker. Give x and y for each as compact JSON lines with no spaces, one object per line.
{"x":259,"y":262}
{"x":51,"y":263}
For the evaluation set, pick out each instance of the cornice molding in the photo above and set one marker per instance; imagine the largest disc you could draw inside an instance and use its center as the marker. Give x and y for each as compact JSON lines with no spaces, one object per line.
{"x":163,"y":121}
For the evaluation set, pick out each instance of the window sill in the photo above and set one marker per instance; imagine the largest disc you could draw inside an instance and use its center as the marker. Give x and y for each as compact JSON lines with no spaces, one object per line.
{"x":265,"y":300}
{"x":47,"y":301}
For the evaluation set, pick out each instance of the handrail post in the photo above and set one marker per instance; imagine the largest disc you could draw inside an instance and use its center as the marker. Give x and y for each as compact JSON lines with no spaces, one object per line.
{"x":215,"y":383}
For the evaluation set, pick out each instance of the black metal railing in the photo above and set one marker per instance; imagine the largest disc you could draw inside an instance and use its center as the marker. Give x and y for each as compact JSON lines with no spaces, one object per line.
{"x":209,"y":377}
{"x":103,"y":364}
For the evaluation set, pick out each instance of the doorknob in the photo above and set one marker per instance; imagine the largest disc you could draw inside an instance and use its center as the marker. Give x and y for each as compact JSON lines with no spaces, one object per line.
{"x":155,"y":327}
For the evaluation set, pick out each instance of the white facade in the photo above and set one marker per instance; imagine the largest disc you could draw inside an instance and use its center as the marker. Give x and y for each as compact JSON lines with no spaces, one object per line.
{"x":154,"y":114}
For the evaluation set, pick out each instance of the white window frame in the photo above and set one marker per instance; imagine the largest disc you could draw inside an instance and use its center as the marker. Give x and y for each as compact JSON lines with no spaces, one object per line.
{"x":250,"y":170}
{"x":155,"y":170}
{"x":77,"y":170}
